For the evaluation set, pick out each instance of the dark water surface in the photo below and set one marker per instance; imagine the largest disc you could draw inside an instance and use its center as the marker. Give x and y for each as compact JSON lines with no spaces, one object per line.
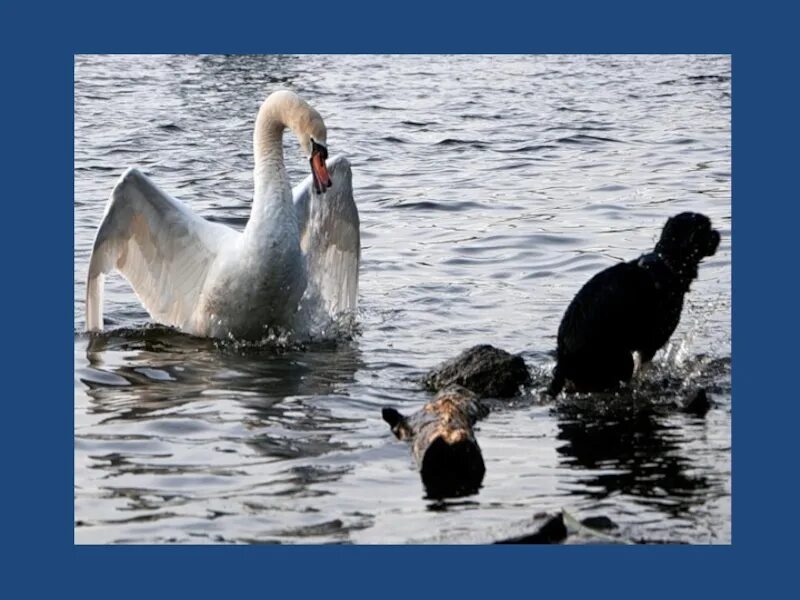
{"x":490,"y":189}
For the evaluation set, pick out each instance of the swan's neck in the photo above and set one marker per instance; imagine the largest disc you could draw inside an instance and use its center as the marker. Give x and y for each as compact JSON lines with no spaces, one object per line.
{"x":269,"y":172}
{"x":273,"y":214}
{"x":272,"y":197}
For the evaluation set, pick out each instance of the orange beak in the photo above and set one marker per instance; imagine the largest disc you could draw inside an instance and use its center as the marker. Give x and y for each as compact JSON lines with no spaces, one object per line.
{"x":319,"y":170}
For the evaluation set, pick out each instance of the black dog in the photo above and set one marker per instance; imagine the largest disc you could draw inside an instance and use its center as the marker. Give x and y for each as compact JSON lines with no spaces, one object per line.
{"x":630,"y":307}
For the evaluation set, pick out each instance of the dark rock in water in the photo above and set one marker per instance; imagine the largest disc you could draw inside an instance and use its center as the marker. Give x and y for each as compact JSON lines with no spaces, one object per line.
{"x":697,"y":404}
{"x":488,"y":371}
{"x":599,"y":523}
{"x":552,"y":532}
{"x":443,"y":442}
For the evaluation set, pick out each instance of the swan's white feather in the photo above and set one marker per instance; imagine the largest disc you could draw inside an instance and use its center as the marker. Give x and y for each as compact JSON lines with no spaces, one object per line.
{"x":161,"y":247}
{"x":330,"y":237}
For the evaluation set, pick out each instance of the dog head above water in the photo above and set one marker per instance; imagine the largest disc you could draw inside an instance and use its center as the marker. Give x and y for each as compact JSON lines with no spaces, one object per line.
{"x":687,"y":238}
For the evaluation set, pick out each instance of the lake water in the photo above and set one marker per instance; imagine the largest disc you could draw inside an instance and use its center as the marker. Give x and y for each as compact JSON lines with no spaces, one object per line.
{"x":490,"y":188}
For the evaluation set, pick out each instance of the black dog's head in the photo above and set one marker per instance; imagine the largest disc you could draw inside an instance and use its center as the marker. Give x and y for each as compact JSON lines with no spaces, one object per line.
{"x":687,"y":238}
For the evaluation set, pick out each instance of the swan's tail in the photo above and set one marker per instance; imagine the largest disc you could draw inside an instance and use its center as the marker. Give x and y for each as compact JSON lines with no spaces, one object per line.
{"x":94,"y":302}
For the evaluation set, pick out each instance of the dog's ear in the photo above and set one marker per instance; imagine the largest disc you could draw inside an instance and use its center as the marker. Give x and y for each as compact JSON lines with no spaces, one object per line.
{"x":674,"y":235}
{"x":697,"y":234}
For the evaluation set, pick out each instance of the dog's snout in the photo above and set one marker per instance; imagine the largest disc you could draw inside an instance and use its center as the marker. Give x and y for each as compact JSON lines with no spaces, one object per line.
{"x":713,"y":242}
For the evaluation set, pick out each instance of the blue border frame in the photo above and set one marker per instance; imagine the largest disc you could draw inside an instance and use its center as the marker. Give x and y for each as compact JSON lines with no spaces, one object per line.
{"x":38,"y":47}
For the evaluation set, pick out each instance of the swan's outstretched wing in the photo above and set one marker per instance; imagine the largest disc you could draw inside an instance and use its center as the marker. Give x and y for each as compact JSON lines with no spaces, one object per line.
{"x":330,"y":237}
{"x":161,"y":247}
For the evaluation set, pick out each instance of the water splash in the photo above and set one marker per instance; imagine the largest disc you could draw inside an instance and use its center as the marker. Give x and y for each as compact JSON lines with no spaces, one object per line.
{"x":679,"y":349}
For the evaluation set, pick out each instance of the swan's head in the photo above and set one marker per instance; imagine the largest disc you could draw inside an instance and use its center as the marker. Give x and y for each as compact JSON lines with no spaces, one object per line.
{"x":285,"y":108}
{"x":319,"y":169}
{"x":313,"y":137}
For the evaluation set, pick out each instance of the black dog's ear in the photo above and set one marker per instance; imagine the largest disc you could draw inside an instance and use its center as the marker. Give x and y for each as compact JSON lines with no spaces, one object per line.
{"x":671,"y":235}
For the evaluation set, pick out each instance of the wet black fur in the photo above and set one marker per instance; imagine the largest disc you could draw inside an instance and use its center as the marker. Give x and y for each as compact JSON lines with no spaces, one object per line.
{"x":632,"y":306}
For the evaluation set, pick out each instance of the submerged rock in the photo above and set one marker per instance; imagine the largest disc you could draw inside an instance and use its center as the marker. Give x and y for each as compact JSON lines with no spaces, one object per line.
{"x":485,"y":370}
{"x":600,"y":523}
{"x":553,"y":531}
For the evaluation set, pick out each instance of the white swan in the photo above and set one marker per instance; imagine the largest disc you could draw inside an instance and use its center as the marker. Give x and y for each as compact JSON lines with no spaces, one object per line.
{"x":210,"y":280}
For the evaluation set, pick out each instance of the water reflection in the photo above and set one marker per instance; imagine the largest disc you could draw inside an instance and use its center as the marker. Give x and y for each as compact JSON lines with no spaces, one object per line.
{"x":630,"y":450}
{"x":162,"y":361}
{"x":244,"y":405}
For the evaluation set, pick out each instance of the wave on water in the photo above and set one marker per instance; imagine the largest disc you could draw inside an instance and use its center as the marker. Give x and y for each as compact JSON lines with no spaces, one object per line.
{"x":476,"y":144}
{"x":582,"y":138}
